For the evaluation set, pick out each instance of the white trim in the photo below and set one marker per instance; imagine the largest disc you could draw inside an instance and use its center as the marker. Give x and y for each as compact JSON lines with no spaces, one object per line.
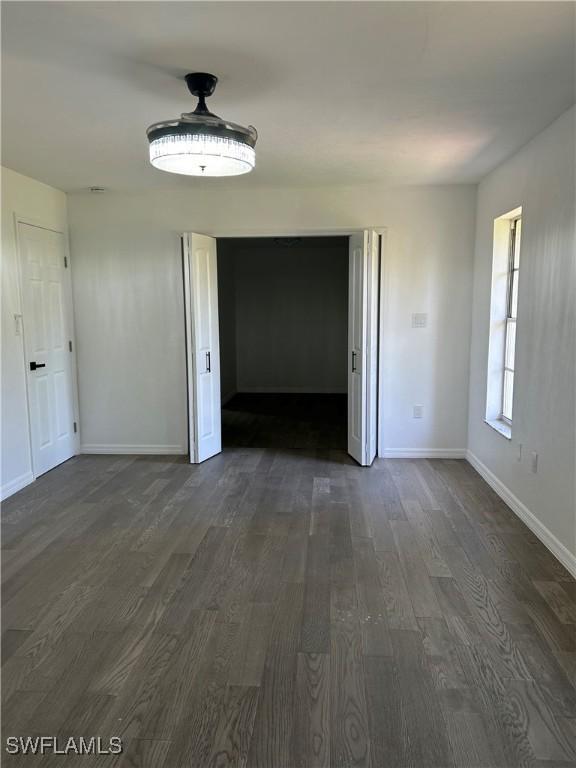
{"x":16,"y":485}
{"x":560,"y":552}
{"x":190,"y":406}
{"x":423,"y":453}
{"x":161,"y":450}
{"x":383,"y":300}
{"x":71,"y":319}
{"x":330,"y":232}
{"x":501,"y":427}
{"x":16,"y":221}
{"x":260,"y":233}
{"x":291,"y":391}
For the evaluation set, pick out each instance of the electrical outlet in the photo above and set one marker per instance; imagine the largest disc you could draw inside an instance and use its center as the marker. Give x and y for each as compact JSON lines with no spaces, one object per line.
{"x":534,"y":462}
{"x":18,"y":325}
{"x":418,"y":412}
{"x":519,"y":458}
{"x":419,"y":320}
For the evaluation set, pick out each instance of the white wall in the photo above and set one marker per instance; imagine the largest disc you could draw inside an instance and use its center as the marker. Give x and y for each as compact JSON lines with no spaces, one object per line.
{"x":130,"y":332}
{"x":540,"y":178}
{"x":45,"y":206}
{"x":128,"y":300}
{"x":291,"y":313}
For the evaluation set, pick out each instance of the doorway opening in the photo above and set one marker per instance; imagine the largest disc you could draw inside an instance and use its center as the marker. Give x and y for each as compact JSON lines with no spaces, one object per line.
{"x":283,"y":341}
{"x":283,"y":322}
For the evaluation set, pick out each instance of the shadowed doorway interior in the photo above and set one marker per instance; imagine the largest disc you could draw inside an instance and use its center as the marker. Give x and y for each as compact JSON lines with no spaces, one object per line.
{"x":283,"y":321}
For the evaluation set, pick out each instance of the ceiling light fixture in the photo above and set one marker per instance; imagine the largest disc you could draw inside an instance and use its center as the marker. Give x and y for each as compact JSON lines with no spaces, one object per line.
{"x":201,"y":143}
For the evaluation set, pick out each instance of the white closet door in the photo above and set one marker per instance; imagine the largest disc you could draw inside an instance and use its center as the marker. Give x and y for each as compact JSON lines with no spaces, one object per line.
{"x":203,"y":347}
{"x":363,"y":346}
{"x":48,"y":346}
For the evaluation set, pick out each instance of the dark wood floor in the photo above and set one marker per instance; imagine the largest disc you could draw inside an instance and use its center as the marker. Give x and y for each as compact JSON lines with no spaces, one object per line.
{"x":282,"y":607}
{"x":285,"y":421}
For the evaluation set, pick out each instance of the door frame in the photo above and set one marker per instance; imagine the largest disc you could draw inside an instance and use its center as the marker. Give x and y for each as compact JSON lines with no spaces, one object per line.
{"x":330,"y":232}
{"x":69,"y":303}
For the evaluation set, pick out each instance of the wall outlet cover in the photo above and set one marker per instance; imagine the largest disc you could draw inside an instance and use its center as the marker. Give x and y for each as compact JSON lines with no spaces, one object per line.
{"x":419,"y":320}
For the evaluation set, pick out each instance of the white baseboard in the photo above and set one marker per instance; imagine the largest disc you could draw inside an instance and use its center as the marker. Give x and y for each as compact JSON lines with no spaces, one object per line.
{"x":547,"y":538}
{"x":16,"y":485}
{"x":160,"y":450}
{"x":423,"y":453}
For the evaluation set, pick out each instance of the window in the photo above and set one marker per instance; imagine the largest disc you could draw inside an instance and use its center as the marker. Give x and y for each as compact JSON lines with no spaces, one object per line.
{"x":503,"y":311}
{"x":511,"y":312}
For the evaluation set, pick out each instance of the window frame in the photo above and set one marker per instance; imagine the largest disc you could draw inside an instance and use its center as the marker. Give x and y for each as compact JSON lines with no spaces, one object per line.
{"x":512,"y":283}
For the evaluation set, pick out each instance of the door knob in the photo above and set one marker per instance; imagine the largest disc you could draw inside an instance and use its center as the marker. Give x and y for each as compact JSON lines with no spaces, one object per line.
{"x":33,"y":366}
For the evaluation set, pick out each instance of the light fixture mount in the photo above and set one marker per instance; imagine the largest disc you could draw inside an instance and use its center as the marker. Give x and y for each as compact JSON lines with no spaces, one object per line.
{"x":201,"y":85}
{"x":200,"y":143}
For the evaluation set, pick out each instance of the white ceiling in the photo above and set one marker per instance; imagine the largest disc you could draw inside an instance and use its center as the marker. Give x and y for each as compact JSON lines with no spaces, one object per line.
{"x":341,"y":93}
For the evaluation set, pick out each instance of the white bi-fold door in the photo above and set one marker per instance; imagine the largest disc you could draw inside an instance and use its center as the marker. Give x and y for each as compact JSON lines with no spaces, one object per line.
{"x":363,"y":345}
{"x":203,"y":352}
{"x":203,"y":346}
{"x":46,"y":307}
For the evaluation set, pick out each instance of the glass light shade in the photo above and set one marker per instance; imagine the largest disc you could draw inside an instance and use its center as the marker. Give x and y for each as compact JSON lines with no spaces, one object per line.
{"x":201,"y":155}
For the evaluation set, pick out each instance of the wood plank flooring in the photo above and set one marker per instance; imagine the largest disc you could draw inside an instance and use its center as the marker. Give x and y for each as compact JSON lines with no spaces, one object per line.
{"x":281,"y":607}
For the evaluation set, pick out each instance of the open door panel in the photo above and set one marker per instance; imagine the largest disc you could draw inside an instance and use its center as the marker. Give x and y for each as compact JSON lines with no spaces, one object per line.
{"x":363,"y":345}
{"x":202,"y":346}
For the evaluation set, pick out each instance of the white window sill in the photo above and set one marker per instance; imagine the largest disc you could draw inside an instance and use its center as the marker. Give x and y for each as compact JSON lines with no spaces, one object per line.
{"x":501,"y":427}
